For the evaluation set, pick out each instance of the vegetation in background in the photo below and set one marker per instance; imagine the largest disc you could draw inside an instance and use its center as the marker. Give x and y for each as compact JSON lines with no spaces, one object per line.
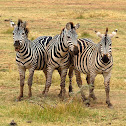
{"x":48,"y":18}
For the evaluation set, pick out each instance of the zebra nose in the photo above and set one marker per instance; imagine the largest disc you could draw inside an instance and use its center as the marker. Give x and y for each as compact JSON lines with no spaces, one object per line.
{"x":17,"y":43}
{"x":105,"y":58}
{"x":76,"y":51}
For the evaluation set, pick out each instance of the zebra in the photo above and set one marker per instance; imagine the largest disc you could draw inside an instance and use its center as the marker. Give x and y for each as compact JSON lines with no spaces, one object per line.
{"x":94,"y":59}
{"x":58,"y":52}
{"x":30,"y":55}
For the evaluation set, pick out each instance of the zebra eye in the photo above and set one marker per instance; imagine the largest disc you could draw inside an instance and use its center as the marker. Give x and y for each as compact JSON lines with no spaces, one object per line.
{"x":22,"y":33}
{"x":68,"y":36}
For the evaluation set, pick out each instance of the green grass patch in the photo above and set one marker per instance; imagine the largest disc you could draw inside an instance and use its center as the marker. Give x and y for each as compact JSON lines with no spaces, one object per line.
{"x":61,"y":112}
{"x":80,"y":17}
{"x":85,"y":35}
{"x":8,"y":31}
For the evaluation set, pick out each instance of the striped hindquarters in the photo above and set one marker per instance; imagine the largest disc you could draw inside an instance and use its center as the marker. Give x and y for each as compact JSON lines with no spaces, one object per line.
{"x":40,"y":51}
{"x":82,"y":60}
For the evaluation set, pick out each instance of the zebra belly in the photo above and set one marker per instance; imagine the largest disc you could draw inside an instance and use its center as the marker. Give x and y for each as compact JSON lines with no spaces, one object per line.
{"x":82,"y":70}
{"x":26,"y":65}
{"x":56,"y":62}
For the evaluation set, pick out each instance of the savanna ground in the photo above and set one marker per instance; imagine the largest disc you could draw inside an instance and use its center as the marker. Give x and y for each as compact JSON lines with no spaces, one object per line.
{"x":48,"y":17}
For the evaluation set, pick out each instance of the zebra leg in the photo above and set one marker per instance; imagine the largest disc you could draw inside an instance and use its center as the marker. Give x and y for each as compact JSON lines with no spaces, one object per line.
{"x":107,"y":89}
{"x":22,"y":78}
{"x":79,"y":82}
{"x":62,"y":84}
{"x":88,"y":79}
{"x":48,"y":81}
{"x":60,"y":94}
{"x":70,"y":74}
{"x":91,"y":95}
{"x":31,"y":73}
{"x":45,"y":72}
{"x":91,"y":86}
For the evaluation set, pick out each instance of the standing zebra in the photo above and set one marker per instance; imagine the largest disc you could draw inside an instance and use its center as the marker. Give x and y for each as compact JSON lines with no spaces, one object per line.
{"x":59,"y":56}
{"x":30,"y":55}
{"x":94,"y":59}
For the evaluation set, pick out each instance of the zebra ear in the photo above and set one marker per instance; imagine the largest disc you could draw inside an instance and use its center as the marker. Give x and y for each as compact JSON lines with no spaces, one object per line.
{"x":24,"y":24}
{"x":77,"y":26}
{"x":113,"y":33}
{"x":68,"y":26}
{"x":99,"y":34}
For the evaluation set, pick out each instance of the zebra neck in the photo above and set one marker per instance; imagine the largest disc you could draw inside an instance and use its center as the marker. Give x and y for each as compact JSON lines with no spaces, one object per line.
{"x":62,"y":47}
{"x":25,"y":49}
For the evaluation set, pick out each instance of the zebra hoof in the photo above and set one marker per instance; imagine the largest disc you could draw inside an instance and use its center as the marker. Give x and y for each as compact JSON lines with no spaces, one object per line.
{"x":59,"y":95}
{"x":18,"y":99}
{"x":62,"y":98}
{"x":110,"y":106}
{"x":87,"y":103}
{"x":45,"y":94}
{"x":29,"y":95}
{"x":71,"y":94}
{"x":93,"y":97}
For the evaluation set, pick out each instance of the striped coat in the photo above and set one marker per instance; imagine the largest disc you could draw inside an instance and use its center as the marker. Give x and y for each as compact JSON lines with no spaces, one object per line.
{"x":58,"y":55}
{"x":30,"y":55}
{"x":94,"y":59}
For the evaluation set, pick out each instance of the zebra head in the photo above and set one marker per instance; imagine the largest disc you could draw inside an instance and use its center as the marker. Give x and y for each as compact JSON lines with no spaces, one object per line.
{"x":105,"y":45}
{"x":69,"y":36}
{"x":20,"y":33}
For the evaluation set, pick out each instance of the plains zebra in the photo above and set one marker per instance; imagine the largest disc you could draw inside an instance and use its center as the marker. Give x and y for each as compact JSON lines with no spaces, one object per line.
{"x":30,"y":55}
{"x":94,"y":59}
{"x":58,"y":55}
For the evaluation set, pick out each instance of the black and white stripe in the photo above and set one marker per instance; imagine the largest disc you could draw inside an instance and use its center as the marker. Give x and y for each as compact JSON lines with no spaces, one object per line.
{"x":94,"y":59}
{"x":58,"y":55}
{"x":30,"y":55}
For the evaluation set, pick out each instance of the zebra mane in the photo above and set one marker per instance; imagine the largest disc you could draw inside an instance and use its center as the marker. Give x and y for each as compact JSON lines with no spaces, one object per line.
{"x":62,"y":31}
{"x":106,"y":32}
{"x":25,"y":29}
{"x":19,"y":22}
{"x":72,"y":25}
{"x":106,"y":35}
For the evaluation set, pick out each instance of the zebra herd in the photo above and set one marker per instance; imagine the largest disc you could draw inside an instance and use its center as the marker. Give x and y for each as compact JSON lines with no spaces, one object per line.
{"x":63,"y":52}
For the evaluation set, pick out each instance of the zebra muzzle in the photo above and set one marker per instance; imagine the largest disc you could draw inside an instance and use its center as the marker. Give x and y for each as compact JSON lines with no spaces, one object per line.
{"x":76,"y":51}
{"x":17,"y":46}
{"x":105,"y":58}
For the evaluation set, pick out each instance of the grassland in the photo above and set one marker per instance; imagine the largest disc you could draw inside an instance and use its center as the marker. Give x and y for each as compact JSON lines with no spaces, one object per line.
{"x":48,"y":17}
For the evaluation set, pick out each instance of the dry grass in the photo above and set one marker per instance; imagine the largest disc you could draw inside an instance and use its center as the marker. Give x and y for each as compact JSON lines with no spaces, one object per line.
{"x":48,"y":18}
